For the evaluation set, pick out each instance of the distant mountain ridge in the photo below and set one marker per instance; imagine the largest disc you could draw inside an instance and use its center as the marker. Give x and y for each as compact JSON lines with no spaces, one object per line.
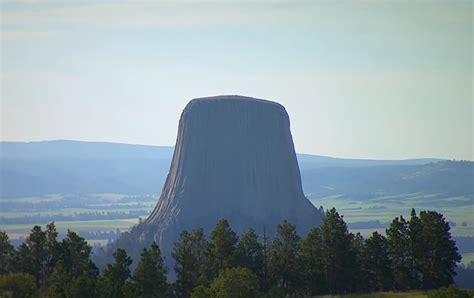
{"x":38,"y":168}
{"x":85,"y":149}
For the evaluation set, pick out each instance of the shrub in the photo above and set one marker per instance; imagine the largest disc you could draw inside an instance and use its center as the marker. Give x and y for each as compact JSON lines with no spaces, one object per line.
{"x":451,"y":292}
{"x":17,"y":285}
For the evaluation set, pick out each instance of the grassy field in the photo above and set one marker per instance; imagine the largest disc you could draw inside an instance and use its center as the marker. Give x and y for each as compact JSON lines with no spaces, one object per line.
{"x":380,"y":207}
{"x":90,"y":225}
{"x":467,"y":258}
{"x":457,"y":210}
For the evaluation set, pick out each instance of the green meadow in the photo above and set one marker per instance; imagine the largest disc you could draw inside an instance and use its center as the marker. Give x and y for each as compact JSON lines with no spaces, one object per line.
{"x":362,"y":215}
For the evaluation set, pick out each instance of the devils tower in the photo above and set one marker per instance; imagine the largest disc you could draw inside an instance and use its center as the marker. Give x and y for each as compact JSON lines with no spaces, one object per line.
{"x":234,"y":158}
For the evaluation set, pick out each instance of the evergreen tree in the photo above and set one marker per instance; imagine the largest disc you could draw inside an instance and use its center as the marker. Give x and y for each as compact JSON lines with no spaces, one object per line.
{"x":284,"y":265}
{"x":58,"y":281}
{"x":22,"y":260}
{"x":75,"y":253}
{"x":202,"y":249}
{"x":150,"y":274}
{"x":115,"y":276}
{"x":417,"y":248}
{"x":337,"y":252}
{"x":440,"y":253}
{"x":7,"y":252}
{"x":80,"y":272}
{"x":186,"y":265}
{"x":354,"y":265}
{"x":250,"y":253}
{"x":223,"y":246}
{"x":82,"y":286}
{"x":53,"y":247}
{"x":376,"y":264}
{"x":311,"y":259}
{"x":399,"y":253}
{"x":38,"y":255}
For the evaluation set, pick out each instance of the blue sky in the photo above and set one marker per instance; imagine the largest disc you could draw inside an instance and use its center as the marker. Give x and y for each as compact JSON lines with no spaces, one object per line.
{"x":361,"y":79}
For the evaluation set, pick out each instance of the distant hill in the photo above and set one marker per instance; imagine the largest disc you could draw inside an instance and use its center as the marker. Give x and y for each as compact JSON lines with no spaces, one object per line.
{"x":37,"y":168}
{"x":443,"y":178}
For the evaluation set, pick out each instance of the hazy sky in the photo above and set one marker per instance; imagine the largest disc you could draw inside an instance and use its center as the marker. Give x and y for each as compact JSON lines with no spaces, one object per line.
{"x":372,"y":79}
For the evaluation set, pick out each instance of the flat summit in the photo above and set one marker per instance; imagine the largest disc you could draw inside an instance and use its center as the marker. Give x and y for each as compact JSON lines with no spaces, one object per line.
{"x":234,"y":158}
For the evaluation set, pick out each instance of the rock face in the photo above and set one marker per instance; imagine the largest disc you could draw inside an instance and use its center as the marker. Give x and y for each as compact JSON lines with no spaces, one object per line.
{"x":234,"y":158}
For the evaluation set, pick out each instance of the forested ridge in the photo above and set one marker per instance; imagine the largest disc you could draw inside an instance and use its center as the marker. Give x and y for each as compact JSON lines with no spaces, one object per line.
{"x":416,"y":253}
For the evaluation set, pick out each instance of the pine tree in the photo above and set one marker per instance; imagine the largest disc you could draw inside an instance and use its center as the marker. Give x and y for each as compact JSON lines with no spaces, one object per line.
{"x":376,"y":264}
{"x":186,"y":265}
{"x":80,"y":271}
{"x":399,"y":253}
{"x":150,"y":274}
{"x":311,"y":260}
{"x":284,"y":266}
{"x":223,"y":246}
{"x":22,"y":260}
{"x":250,"y":253}
{"x":76,"y":256}
{"x":52,"y":244}
{"x":417,"y":248}
{"x":440,"y":253}
{"x":193,"y":262}
{"x":7,"y":252}
{"x":337,"y":252}
{"x":38,"y":251}
{"x":58,"y":281}
{"x":356,"y":282}
{"x":115,"y":276}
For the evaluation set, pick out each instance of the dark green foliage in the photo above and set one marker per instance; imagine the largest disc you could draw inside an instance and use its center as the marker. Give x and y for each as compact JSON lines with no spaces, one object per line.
{"x":38,"y":255}
{"x":201,"y":292}
{"x":416,"y":245}
{"x":338,"y":255}
{"x":22,"y":261}
{"x":376,"y":264}
{"x":399,"y":253}
{"x":186,"y":265}
{"x":357,"y":282}
{"x":284,"y":266}
{"x":231,"y":283}
{"x":235,"y":283}
{"x":422,"y":252}
{"x":7,"y":252}
{"x":82,"y":286}
{"x":74,"y":274}
{"x":75,"y":252}
{"x":150,"y":274}
{"x":311,"y":263}
{"x":58,"y":281}
{"x":250,"y":253}
{"x":202,"y":250}
{"x":115,"y":276}
{"x":440,"y":254}
{"x":450,"y":292}
{"x":193,"y":264}
{"x":17,"y":285}
{"x":223,"y":246}
{"x":415,"y":254}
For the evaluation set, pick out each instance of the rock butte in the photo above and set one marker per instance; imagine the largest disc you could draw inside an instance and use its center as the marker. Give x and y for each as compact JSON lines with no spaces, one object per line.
{"x":234,"y":158}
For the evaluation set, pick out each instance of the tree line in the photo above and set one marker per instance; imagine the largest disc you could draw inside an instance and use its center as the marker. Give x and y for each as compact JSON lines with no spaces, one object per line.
{"x":418,"y":253}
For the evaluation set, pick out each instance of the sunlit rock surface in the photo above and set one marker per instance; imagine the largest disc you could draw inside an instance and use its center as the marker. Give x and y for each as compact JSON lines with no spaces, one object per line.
{"x":234,"y":158}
